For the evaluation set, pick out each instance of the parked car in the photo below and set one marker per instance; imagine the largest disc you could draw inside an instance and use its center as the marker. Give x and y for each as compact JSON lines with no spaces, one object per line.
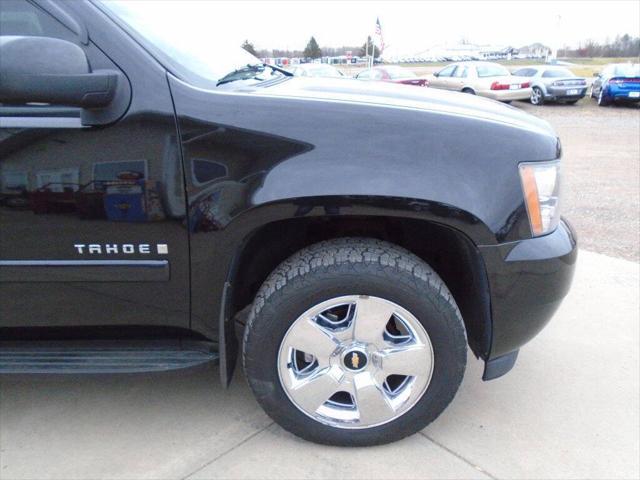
{"x":316,"y":70}
{"x":393,"y":74}
{"x":487,"y":79}
{"x":617,"y":83}
{"x":357,"y":238}
{"x":553,"y":84}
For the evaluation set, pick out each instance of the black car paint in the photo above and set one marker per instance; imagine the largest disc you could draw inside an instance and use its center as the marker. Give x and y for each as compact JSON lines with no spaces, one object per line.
{"x":278,"y":151}
{"x":146,"y":132}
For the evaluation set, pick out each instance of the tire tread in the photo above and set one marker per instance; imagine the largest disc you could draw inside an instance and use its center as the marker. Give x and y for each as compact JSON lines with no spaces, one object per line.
{"x":335,"y":259}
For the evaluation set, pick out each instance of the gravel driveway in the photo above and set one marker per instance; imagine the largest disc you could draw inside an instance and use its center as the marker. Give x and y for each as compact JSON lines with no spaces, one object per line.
{"x":601,"y":177}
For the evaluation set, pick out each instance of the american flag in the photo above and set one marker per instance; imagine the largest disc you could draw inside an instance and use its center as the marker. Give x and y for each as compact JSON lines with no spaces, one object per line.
{"x":378,"y":35}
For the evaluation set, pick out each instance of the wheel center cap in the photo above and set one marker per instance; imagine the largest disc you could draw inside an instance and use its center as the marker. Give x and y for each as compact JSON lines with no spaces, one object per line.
{"x":355,"y":360}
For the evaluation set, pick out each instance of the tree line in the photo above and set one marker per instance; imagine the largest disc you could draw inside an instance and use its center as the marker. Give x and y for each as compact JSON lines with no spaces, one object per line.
{"x":623,"y":46}
{"x":313,"y":50}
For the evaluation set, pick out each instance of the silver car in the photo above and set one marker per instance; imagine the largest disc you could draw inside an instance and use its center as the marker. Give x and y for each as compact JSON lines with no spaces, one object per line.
{"x":482,"y":78}
{"x":550,"y":83}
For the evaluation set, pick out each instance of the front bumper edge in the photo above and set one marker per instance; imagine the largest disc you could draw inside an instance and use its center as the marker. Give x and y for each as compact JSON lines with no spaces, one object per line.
{"x":528,"y":280}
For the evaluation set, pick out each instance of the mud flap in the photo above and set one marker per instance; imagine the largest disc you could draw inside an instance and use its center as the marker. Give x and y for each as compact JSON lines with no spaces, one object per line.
{"x":228,"y":343}
{"x":499,"y":366}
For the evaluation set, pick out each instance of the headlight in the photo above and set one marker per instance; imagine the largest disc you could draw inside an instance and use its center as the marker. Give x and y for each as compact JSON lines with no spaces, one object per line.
{"x":541,"y":187}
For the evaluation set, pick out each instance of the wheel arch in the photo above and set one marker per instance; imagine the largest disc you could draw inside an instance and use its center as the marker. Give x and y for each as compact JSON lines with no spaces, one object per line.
{"x":448,"y":250}
{"x":539,"y":85}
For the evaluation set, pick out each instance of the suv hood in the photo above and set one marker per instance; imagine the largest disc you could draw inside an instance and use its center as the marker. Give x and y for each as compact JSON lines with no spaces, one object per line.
{"x":389,"y":95}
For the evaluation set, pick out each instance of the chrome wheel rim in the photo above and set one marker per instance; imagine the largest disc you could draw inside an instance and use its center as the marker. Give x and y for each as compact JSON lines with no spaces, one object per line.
{"x":535,"y":96}
{"x":355,"y":362}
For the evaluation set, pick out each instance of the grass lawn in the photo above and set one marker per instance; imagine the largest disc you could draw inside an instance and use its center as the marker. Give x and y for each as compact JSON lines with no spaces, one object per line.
{"x":601,"y":60}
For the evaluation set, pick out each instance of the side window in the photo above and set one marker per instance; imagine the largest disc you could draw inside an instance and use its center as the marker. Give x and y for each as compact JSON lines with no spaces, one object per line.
{"x":461,"y":72}
{"x":19,"y":17}
{"x":525,"y":72}
{"x":377,"y":75}
{"x":366,"y":75}
{"x":447,"y":71}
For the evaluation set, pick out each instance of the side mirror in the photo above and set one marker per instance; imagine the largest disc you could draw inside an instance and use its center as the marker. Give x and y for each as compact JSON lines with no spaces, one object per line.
{"x":596,"y":74}
{"x":436,"y":74}
{"x":53,"y":71}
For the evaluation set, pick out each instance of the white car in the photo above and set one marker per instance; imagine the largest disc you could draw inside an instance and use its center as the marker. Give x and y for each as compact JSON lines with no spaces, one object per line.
{"x":487,"y":79}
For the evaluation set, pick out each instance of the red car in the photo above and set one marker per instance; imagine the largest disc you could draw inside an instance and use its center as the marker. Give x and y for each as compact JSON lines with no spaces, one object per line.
{"x":393,"y":74}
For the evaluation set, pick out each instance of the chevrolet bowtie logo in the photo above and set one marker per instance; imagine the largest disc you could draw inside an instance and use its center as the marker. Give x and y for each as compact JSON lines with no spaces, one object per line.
{"x":355,"y":360}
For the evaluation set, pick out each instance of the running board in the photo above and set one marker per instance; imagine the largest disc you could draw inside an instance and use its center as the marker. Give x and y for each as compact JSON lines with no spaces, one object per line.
{"x":111,"y":357}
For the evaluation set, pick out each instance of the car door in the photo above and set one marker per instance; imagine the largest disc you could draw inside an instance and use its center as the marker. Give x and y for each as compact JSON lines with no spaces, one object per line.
{"x":442,"y":78}
{"x":459,"y":77}
{"x":92,"y":214}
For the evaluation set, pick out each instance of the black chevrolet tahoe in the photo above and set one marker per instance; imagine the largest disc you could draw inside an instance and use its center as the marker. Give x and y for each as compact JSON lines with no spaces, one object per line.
{"x":166,"y":204}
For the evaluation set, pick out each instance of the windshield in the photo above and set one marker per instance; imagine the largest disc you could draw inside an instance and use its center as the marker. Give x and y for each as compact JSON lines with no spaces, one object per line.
{"x":183,"y":35}
{"x":396,"y":73}
{"x":492,"y":71}
{"x":558,"y":72}
{"x":628,"y":70}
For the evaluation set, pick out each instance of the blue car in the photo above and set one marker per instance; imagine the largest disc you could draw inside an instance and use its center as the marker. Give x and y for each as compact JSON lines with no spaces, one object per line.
{"x":617,"y":83}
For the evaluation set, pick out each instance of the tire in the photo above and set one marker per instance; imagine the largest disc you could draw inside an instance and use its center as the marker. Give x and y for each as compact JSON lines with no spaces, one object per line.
{"x":537,"y":96}
{"x":353,"y":272}
{"x":603,"y":101}
{"x":470,"y":91}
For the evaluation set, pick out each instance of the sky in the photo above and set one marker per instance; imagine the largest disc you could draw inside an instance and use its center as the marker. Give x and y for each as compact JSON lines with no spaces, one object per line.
{"x":408,"y":26}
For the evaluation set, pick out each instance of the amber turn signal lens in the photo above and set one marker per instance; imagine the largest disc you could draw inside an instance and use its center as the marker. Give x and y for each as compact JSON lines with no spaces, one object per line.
{"x":541,"y":189}
{"x":531,"y":198}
